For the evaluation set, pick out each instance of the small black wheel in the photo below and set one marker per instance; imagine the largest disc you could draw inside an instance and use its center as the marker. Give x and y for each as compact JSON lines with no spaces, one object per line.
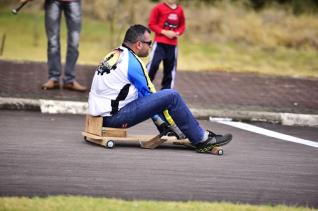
{"x":110,"y":144}
{"x":85,"y":139}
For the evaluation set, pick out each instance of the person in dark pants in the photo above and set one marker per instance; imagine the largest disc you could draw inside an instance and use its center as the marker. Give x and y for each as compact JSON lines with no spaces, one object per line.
{"x":124,"y":96}
{"x":73,"y":18}
{"x":167,"y":21}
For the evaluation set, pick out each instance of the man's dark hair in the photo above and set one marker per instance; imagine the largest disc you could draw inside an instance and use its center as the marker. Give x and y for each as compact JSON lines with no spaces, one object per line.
{"x":135,"y":33}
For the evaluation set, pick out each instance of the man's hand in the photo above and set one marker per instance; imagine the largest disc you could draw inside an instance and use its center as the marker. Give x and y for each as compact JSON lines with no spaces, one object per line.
{"x":170,"y":34}
{"x":167,"y":130}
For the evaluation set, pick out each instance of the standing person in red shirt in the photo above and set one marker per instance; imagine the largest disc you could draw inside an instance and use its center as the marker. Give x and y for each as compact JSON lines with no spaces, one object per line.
{"x":167,"y":21}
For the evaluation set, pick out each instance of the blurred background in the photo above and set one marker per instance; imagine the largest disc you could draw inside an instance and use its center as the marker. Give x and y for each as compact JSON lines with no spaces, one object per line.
{"x":276,"y":37}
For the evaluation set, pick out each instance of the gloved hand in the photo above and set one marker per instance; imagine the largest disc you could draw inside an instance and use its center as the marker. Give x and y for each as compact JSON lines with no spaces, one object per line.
{"x":168,"y":130}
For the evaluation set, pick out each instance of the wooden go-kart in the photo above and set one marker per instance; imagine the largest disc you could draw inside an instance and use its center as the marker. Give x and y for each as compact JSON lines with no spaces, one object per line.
{"x":104,"y":136}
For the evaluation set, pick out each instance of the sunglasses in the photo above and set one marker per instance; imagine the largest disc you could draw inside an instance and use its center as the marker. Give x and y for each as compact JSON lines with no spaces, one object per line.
{"x":147,"y":42}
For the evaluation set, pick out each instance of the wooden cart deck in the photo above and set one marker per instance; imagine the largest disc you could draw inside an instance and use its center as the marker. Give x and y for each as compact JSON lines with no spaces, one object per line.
{"x":95,"y":133}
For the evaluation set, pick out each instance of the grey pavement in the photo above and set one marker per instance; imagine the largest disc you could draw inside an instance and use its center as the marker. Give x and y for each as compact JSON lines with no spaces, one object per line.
{"x":45,"y":154}
{"x":239,"y":96}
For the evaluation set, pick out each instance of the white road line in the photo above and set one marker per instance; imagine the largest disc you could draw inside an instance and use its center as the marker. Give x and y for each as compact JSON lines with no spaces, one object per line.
{"x":266,"y":132}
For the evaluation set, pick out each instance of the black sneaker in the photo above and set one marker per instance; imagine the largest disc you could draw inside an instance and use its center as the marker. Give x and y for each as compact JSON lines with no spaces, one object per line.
{"x":213,"y":141}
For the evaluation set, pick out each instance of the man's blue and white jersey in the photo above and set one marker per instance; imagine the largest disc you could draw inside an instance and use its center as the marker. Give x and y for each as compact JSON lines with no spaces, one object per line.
{"x":119,"y":79}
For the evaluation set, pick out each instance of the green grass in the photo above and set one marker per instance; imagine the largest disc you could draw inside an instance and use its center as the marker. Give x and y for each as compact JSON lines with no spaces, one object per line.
{"x":26,"y":40}
{"x":71,"y":203}
{"x":235,"y":57}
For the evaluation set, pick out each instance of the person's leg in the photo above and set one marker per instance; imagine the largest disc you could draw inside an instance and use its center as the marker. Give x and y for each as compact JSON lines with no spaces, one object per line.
{"x":52,"y":26}
{"x":155,"y":57}
{"x":73,"y":15}
{"x":169,"y":67}
{"x":148,"y":106}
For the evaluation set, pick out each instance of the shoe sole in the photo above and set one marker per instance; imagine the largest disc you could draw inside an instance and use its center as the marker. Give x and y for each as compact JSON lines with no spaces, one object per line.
{"x":49,"y":88}
{"x":209,"y":148}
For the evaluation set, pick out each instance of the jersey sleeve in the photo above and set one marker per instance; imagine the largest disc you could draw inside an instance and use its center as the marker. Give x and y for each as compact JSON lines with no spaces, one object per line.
{"x":138,"y":76}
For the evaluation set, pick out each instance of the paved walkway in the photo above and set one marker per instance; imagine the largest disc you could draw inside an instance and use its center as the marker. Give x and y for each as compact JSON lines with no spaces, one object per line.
{"x":243,"y":92}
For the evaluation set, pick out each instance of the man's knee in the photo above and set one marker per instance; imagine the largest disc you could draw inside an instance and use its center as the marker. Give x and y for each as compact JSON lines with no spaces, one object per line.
{"x":53,"y":46}
{"x":73,"y":40}
{"x":174,"y":94}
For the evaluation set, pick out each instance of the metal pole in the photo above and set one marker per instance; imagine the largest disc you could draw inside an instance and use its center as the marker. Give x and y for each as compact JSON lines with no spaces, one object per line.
{"x":2,"y":43}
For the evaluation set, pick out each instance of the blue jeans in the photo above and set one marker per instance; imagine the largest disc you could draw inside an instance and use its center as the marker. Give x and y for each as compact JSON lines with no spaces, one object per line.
{"x":72,"y":13}
{"x":146,"y":107}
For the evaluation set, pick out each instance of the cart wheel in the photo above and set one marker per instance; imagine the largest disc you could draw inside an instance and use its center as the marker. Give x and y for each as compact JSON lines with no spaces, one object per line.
{"x":110,"y":144}
{"x":85,"y":139}
{"x":220,"y":152}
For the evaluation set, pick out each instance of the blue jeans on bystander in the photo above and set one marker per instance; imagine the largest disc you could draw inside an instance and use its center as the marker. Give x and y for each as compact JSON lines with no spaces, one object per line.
{"x":73,"y":15}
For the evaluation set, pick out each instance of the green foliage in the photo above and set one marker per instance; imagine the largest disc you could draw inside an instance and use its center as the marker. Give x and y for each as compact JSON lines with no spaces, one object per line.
{"x":298,"y":6}
{"x":4,"y":3}
{"x":82,"y":203}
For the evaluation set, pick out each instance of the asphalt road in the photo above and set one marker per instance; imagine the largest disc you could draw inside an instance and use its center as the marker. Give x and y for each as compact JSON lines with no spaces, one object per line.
{"x":44,"y":155}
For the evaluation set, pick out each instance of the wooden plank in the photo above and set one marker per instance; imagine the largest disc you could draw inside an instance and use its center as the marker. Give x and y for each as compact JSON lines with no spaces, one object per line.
{"x":128,"y":138}
{"x":153,"y":143}
{"x":157,"y":140}
{"x":102,"y":142}
{"x":114,"y":132}
{"x":94,"y":125}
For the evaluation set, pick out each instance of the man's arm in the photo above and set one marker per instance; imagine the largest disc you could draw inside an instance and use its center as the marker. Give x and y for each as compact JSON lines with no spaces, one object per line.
{"x":154,"y":20}
{"x":138,"y":76}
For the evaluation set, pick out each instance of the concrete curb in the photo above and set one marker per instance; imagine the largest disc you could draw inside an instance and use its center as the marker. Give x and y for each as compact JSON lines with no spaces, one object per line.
{"x":62,"y":107}
{"x":71,"y":107}
{"x":19,"y":104}
{"x":259,"y":116}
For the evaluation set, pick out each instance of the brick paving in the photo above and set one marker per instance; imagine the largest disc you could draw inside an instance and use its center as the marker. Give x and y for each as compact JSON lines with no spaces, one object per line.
{"x":201,"y":90}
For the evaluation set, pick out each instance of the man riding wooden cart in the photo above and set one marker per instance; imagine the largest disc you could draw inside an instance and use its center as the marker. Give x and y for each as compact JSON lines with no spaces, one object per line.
{"x":122,"y":96}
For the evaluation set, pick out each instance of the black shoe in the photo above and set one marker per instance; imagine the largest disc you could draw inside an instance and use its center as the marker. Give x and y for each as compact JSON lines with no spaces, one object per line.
{"x":213,"y":141}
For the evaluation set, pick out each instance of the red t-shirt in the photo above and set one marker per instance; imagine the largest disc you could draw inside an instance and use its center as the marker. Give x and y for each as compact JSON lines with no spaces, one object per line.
{"x":164,"y":17}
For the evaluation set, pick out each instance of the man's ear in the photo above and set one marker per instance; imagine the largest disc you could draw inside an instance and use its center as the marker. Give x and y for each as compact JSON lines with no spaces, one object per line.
{"x":138,"y":45}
